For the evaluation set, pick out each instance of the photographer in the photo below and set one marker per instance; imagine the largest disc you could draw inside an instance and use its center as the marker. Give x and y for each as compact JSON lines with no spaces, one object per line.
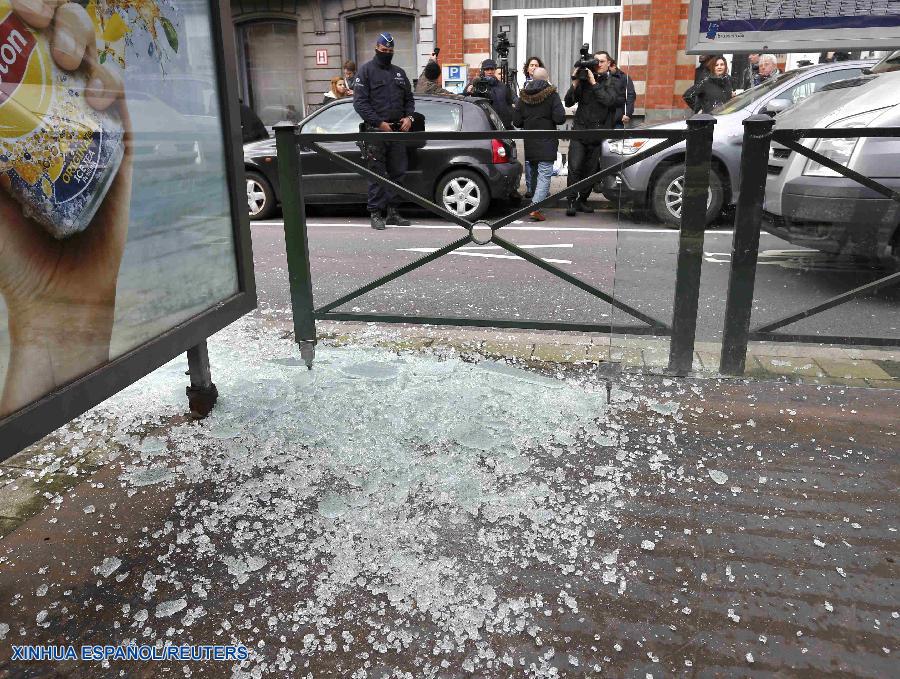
{"x":594,"y":92}
{"x":488,"y":85}
{"x":428,"y":78}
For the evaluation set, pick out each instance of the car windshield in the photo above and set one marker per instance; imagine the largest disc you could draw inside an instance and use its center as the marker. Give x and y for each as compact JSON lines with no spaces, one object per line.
{"x":744,"y":99}
{"x":890,"y":63}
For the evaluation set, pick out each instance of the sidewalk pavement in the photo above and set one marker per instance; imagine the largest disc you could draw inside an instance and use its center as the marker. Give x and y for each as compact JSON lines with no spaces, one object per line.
{"x":412,"y":508}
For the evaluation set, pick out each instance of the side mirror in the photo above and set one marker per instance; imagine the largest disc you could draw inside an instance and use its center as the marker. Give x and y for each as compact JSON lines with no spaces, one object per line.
{"x":776,"y":106}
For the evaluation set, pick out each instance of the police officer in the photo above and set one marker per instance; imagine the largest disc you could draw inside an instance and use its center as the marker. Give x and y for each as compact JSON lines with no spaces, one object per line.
{"x":383,"y":98}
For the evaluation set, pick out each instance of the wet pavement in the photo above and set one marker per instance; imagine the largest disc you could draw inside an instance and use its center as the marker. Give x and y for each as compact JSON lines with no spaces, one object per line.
{"x":543,"y":526}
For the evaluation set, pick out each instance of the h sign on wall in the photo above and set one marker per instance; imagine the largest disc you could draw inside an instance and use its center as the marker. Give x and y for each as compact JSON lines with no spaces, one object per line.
{"x":321,"y":57}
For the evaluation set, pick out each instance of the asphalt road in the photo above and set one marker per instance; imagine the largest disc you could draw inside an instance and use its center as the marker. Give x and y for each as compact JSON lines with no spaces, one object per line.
{"x":632,"y":259}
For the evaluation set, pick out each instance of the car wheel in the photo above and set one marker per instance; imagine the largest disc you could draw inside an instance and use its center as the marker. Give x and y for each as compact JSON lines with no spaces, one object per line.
{"x":464,"y":193}
{"x":667,"y":196}
{"x":260,"y":197}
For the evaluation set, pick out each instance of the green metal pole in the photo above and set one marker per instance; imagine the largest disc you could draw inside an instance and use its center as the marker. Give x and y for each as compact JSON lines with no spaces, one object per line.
{"x":295,"y":239}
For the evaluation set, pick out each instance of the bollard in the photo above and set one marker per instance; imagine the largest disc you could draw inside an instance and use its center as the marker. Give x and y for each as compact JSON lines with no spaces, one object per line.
{"x":745,"y":243}
{"x":690,"y":243}
{"x":296,"y":239}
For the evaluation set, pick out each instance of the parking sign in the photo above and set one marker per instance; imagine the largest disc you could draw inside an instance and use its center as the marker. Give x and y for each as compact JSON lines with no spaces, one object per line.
{"x":455,"y":77}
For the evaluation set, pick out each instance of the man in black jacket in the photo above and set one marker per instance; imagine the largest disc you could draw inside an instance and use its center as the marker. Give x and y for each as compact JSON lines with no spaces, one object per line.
{"x":539,"y":108}
{"x":625,"y":94}
{"x":252,"y":127}
{"x":498,"y":93}
{"x":383,"y":98}
{"x":596,"y":99}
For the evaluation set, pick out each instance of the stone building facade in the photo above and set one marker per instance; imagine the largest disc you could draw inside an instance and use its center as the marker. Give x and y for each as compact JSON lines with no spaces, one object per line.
{"x":288,"y":50}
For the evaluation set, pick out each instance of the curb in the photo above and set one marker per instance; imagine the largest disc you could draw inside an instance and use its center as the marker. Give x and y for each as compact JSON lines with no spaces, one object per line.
{"x":820,"y":365}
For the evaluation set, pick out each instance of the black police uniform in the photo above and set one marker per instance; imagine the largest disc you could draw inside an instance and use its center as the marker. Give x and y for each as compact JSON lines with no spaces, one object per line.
{"x":384,"y":94}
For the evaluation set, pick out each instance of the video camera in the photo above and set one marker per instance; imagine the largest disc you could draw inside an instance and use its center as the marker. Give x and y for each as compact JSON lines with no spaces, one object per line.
{"x":586,"y":61}
{"x":481,"y":87}
{"x":502,"y":45}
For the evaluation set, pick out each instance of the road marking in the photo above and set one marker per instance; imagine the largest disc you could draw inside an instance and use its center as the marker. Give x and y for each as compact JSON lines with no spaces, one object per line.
{"x":488,"y":255}
{"x":445,"y":227}
{"x":524,"y":247}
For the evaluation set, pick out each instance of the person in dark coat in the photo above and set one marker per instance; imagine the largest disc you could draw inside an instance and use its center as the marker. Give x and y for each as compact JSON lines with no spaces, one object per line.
{"x":427,"y":83}
{"x":714,"y":91}
{"x":539,"y":108}
{"x":498,"y":93}
{"x":745,"y":76}
{"x":596,"y":99}
{"x":383,"y":98}
{"x":702,"y":71}
{"x":528,"y":70}
{"x":252,"y":128}
{"x":625,"y":96}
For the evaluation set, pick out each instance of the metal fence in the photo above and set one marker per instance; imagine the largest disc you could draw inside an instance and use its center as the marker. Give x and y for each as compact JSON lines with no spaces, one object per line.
{"x":682,"y":329}
{"x":698,"y":135}
{"x":758,"y":137}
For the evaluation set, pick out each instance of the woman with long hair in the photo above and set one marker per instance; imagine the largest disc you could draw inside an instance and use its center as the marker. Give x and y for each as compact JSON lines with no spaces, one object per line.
{"x":530,"y":65}
{"x":338,"y":89}
{"x":712,"y":91}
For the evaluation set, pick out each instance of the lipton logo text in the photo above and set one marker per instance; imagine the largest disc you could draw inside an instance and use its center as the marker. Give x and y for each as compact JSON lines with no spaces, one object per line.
{"x":16,"y":45}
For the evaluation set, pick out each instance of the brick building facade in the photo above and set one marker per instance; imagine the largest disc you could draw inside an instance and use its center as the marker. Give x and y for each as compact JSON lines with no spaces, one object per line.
{"x":651,"y":40}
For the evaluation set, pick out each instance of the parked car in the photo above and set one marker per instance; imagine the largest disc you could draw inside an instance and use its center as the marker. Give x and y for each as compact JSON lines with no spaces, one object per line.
{"x":813,"y":206}
{"x":658,"y":181}
{"x":462,"y":176}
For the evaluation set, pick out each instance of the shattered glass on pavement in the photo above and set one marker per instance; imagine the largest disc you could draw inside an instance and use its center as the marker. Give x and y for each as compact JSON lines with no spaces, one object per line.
{"x":421,"y":515}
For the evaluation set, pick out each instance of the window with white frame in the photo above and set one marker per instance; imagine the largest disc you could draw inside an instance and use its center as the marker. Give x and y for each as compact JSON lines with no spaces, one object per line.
{"x":554,"y":31}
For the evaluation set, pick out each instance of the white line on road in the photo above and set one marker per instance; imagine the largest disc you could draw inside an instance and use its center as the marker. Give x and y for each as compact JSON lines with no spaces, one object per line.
{"x":524,"y":247}
{"x":590,"y":229}
{"x":488,"y":255}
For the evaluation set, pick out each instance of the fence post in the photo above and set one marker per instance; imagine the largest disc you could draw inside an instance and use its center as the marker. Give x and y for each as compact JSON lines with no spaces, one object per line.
{"x":295,"y":239}
{"x":690,"y":243}
{"x":745,"y":243}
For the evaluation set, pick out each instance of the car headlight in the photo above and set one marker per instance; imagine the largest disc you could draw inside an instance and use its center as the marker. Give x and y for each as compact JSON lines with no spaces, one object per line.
{"x":628,"y":147}
{"x":840,"y":150}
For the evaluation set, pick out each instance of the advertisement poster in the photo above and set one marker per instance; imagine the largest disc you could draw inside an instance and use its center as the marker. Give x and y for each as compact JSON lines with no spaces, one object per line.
{"x":724,"y":26}
{"x":115,"y":216}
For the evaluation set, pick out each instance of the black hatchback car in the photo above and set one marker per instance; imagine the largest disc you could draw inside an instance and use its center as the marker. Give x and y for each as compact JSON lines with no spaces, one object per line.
{"x":462,"y":176}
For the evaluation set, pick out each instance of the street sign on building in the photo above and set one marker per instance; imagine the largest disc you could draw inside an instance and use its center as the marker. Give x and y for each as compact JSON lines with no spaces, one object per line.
{"x":322,"y":57}
{"x":454,"y":77}
{"x":727,"y":26}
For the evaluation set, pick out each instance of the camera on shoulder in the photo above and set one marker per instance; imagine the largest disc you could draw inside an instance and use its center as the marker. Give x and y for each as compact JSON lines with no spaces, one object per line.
{"x":481,"y":87}
{"x":586,"y":62}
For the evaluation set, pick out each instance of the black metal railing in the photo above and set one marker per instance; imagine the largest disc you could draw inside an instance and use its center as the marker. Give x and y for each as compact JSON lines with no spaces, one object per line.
{"x":682,"y":330}
{"x":758,"y":137}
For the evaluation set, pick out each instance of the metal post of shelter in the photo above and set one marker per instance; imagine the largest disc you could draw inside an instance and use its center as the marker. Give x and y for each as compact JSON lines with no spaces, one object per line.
{"x":745,"y":243}
{"x":296,"y":240}
{"x":202,"y":394}
{"x":690,"y":243}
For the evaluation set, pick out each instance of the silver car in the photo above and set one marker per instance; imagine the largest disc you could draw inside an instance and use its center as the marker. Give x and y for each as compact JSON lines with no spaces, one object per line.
{"x":813,"y":206}
{"x":657,"y":182}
